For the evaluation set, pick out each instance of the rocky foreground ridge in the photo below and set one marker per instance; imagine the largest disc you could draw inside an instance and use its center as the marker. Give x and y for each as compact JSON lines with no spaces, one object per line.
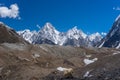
{"x":41,"y":62}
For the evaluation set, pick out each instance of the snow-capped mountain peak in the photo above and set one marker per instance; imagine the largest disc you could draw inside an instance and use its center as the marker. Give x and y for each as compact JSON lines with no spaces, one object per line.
{"x":49,"y":35}
{"x":48,"y":28}
{"x":94,"y":36}
{"x":27,"y":34}
{"x":74,"y":33}
{"x":75,"y":29}
{"x":24,"y":31}
{"x":48,"y":32}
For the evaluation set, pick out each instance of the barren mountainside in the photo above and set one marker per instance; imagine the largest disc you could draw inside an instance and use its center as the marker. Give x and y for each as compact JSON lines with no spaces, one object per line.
{"x":40,"y":62}
{"x":9,"y":35}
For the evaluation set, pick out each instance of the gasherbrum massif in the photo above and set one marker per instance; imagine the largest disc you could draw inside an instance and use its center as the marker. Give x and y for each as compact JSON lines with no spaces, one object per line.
{"x":74,"y":37}
{"x":49,"y":35}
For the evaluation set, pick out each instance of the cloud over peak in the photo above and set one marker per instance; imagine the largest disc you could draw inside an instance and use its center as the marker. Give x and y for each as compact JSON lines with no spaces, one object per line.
{"x":11,"y":12}
{"x":116,"y":8}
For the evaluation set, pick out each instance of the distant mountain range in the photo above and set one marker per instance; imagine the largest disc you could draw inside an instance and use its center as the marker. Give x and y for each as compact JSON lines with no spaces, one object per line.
{"x":74,"y":37}
{"x":49,"y":35}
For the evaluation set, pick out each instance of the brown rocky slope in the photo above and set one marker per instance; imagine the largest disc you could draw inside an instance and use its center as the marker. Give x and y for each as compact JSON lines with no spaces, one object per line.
{"x":9,"y":35}
{"x":26,"y":62}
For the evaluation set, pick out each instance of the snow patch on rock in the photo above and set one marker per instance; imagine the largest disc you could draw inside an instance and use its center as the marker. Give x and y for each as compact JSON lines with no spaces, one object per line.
{"x":117,"y":18}
{"x":61,"y":69}
{"x":116,"y":53}
{"x":35,"y":55}
{"x":118,"y":46}
{"x":88,"y":61}
{"x":101,"y":45}
{"x":87,"y":74}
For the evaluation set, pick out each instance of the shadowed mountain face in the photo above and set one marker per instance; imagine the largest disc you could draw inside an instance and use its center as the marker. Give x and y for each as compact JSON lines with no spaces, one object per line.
{"x":43,"y":41}
{"x":9,"y":35}
{"x":112,"y":39}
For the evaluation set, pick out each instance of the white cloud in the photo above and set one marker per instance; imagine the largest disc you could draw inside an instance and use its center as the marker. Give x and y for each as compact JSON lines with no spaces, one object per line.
{"x":103,"y":33}
{"x":116,"y":8}
{"x":38,"y":26}
{"x":11,"y":12}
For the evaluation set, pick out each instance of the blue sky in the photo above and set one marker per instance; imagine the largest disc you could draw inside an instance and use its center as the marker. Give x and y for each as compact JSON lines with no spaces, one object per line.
{"x":89,"y":15}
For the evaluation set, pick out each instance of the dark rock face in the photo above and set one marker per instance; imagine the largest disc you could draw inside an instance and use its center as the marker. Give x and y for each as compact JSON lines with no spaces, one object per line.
{"x":113,"y":37}
{"x":43,"y":41}
{"x":74,"y":42}
{"x":106,"y":75}
{"x":9,"y":35}
{"x":103,"y":75}
{"x":59,"y":76}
